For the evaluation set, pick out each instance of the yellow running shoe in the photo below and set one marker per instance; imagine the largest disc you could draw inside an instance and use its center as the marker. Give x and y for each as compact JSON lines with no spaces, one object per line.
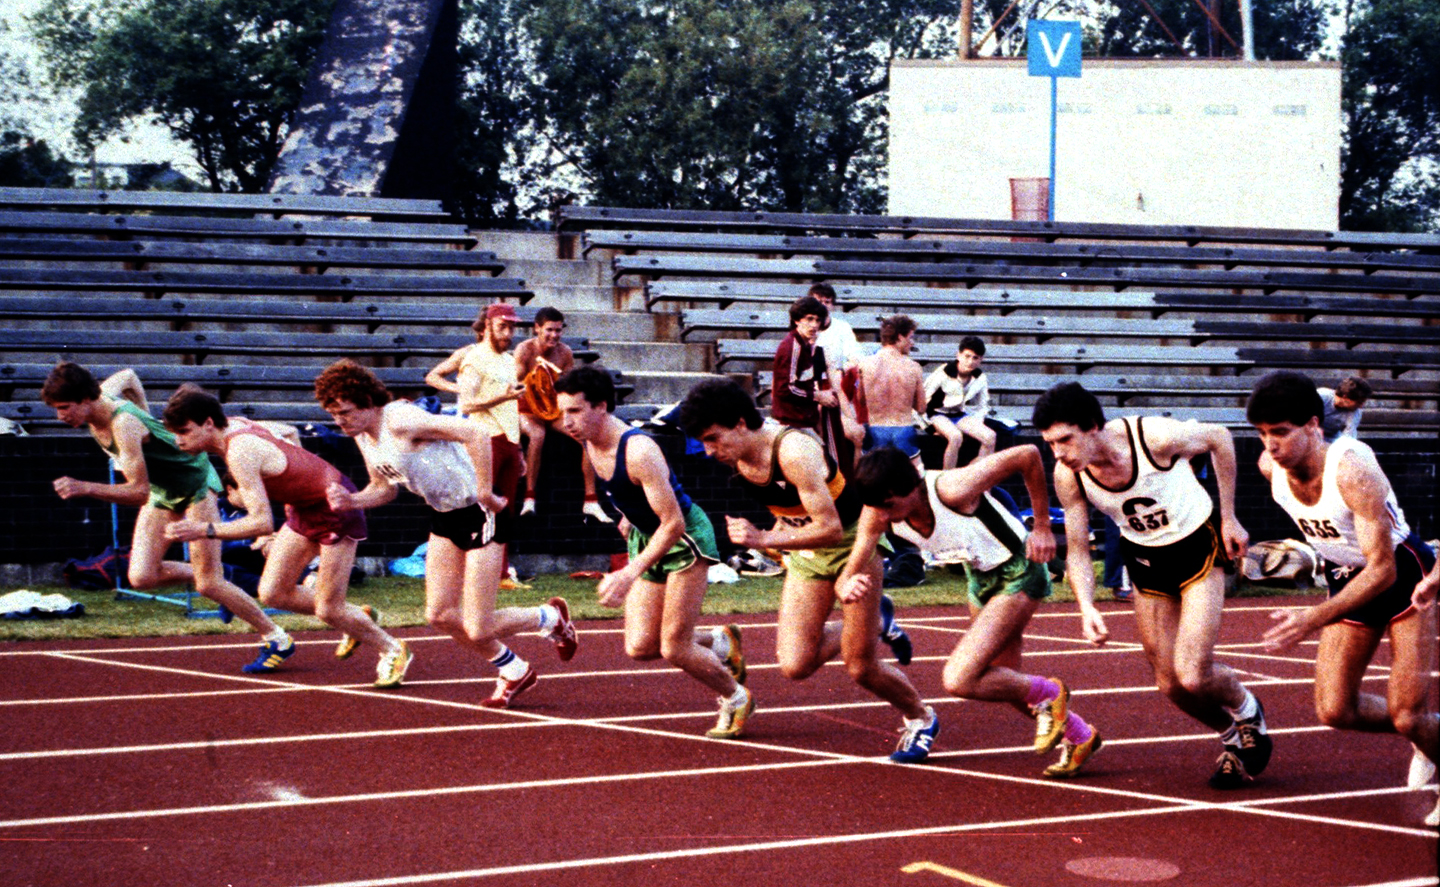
{"x":1073,"y":757}
{"x":1050,"y":718}
{"x":348,"y":644}
{"x":390,"y":671}
{"x":732,"y":718}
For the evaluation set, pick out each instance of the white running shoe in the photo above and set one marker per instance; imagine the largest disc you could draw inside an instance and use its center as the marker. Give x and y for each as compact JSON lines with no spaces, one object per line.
{"x":1422,"y":770}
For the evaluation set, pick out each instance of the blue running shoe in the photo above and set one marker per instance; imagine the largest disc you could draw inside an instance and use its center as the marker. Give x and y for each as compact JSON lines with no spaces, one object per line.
{"x":917,"y":739}
{"x":272,"y":653}
{"x":891,"y":632}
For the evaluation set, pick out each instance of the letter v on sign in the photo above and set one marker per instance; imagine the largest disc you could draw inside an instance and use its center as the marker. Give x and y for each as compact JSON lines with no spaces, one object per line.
{"x":1053,"y":48}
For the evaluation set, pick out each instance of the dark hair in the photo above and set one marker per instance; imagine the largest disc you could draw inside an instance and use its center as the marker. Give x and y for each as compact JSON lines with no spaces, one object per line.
{"x":548,"y":314}
{"x":824,"y":290}
{"x":719,"y":401}
{"x":1284,"y":396}
{"x":895,"y":328}
{"x":972,"y":343}
{"x":805,"y":306}
{"x":1070,"y":403}
{"x":69,"y":383}
{"x":347,"y":380}
{"x":190,"y":404}
{"x":1354,"y":388}
{"x":884,"y":472}
{"x":590,"y":382}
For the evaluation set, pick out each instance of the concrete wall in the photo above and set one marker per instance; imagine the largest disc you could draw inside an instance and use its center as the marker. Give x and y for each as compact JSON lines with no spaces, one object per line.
{"x":1139,"y":142}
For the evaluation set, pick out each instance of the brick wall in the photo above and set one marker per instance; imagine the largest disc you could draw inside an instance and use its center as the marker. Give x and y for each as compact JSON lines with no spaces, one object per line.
{"x":37,"y":527}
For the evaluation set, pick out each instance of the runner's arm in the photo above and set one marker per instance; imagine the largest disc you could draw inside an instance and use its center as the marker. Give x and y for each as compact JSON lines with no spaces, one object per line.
{"x":244,"y":459}
{"x":128,"y":433}
{"x":853,"y":583}
{"x":126,"y":383}
{"x":439,"y":377}
{"x":1079,"y":570}
{"x":1190,"y":439}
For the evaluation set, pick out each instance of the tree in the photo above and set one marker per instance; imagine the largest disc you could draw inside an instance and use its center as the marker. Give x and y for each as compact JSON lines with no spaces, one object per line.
{"x":1389,"y":178}
{"x":25,"y":161}
{"x":224,"y":75}
{"x":725,"y":103}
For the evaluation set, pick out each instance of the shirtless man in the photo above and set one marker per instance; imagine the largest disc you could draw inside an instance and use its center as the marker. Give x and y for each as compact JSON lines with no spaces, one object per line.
{"x":1381,"y":576}
{"x":952,"y":516}
{"x":269,"y":470}
{"x":894,"y":388}
{"x":446,"y":461}
{"x":1138,"y":472}
{"x":671,"y":545}
{"x":816,"y":513}
{"x":166,"y":484}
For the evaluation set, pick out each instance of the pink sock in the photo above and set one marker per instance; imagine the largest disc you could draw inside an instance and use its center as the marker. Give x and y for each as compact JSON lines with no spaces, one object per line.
{"x":1076,"y":730}
{"x":1040,"y":690}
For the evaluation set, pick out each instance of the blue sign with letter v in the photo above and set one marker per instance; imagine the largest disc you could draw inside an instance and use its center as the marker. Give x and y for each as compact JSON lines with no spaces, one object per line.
{"x":1053,"y":48}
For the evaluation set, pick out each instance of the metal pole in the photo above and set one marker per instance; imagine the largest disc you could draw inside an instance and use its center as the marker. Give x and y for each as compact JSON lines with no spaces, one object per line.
{"x":1050,"y":201}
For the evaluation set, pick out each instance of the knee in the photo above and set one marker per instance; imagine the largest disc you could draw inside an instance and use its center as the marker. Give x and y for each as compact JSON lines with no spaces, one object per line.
{"x":797,"y":668}
{"x":861,"y":669}
{"x":1192,"y":680}
{"x":142,"y":578}
{"x":445,"y":618}
{"x":480,"y":631}
{"x":1335,"y":714}
{"x":1408,"y":722}
{"x":642,"y":649}
{"x":327,"y":611}
{"x":958,"y":682}
{"x":675,"y":650}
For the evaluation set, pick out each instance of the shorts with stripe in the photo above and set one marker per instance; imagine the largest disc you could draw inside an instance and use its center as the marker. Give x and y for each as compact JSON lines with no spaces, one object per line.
{"x":1413,"y":559}
{"x":468,"y":528}
{"x":697,"y":545}
{"x":1167,"y":570}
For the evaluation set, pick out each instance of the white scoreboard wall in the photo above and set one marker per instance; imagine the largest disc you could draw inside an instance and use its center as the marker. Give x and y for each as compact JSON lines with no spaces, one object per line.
{"x":1158,"y":142}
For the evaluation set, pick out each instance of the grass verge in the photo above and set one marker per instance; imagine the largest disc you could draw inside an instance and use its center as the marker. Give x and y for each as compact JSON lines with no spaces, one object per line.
{"x":402,"y":601}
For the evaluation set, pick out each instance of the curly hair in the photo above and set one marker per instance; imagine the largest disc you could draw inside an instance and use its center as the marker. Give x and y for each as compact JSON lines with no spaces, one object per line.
{"x":347,"y":380}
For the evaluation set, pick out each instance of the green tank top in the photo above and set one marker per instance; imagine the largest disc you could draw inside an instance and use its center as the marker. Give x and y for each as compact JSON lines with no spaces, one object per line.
{"x":174,"y":476}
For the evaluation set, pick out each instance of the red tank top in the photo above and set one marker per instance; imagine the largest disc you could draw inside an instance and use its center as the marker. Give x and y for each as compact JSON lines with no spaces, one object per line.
{"x":305,"y":477}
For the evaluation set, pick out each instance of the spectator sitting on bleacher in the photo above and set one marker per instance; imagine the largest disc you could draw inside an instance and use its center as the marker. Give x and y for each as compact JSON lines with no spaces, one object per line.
{"x":957,"y":400}
{"x":544,"y":354}
{"x":1342,"y":408}
{"x":893,"y":386}
{"x":805,"y":393}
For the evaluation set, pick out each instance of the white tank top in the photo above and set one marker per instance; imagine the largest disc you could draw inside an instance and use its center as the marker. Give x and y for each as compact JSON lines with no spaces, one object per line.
{"x":1329,"y":524}
{"x":1159,"y":506}
{"x":984,"y":540}
{"x":438,"y":471}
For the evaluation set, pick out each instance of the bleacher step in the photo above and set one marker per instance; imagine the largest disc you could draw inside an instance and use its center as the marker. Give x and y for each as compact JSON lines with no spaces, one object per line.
{"x":652,"y":356}
{"x":666,"y":387}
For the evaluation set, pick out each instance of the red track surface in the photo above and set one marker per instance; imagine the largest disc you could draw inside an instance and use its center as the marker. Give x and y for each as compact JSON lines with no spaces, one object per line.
{"x":156,"y":762}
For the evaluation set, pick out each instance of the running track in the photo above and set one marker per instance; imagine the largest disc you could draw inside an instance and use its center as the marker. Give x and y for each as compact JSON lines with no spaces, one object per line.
{"x":155,"y":762}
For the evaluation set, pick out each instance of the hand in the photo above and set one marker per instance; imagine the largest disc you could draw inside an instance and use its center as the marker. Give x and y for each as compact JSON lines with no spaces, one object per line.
{"x":1424,"y":595}
{"x":69,"y":487}
{"x":516,"y":392}
{"x":1092,"y":624}
{"x":742,"y":532}
{"x":492,"y":503}
{"x":1237,"y":540}
{"x":1040,"y":547}
{"x":624,"y":527}
{"x":855,"y":588}
{"x":827,"y":398}
{"x":614,"y":587}
{"x":1290,"y":628}
{"x":187,"y":530}
{"x":340,"y":499}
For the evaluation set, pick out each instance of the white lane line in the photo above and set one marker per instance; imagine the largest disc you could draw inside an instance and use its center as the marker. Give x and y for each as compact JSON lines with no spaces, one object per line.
{"x":791,"y":844}
{"x":297,"y":800}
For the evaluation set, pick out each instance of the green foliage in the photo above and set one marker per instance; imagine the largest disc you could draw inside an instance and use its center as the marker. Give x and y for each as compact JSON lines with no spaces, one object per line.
{"x":224,"y":75}
{"x":29,"y":163}
{"x":1285,"y":30}
{"x":725,"y":104}
{"x":1392,"y":116}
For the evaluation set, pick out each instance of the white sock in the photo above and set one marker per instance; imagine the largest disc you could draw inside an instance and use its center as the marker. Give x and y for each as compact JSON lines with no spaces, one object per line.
{"x":515,"y":669}
{"x":1247,"y":709}
{"x":737,"y":699}
{"x":278,"y":636}
{"x":549,"y":618}
{"x":720,"y":642}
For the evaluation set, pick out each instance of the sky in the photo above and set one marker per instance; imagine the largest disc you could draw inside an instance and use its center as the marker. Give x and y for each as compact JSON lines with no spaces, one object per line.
{"x":144,"y":143}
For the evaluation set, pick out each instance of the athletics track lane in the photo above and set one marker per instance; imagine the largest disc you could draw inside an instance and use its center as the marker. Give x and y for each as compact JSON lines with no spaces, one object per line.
{"x":309,"y":777}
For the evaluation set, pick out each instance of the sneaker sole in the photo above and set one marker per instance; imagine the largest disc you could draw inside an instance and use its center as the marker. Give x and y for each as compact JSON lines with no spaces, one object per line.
{"x":1071,"y":772}
{"x":564,"y":649}
{"x":395,"y":681}
{"x":742,"y":719}
{"x":525,"y":684}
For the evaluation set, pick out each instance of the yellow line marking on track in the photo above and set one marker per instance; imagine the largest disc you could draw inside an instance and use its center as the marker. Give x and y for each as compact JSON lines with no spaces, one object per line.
{"x":948,"y":872}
